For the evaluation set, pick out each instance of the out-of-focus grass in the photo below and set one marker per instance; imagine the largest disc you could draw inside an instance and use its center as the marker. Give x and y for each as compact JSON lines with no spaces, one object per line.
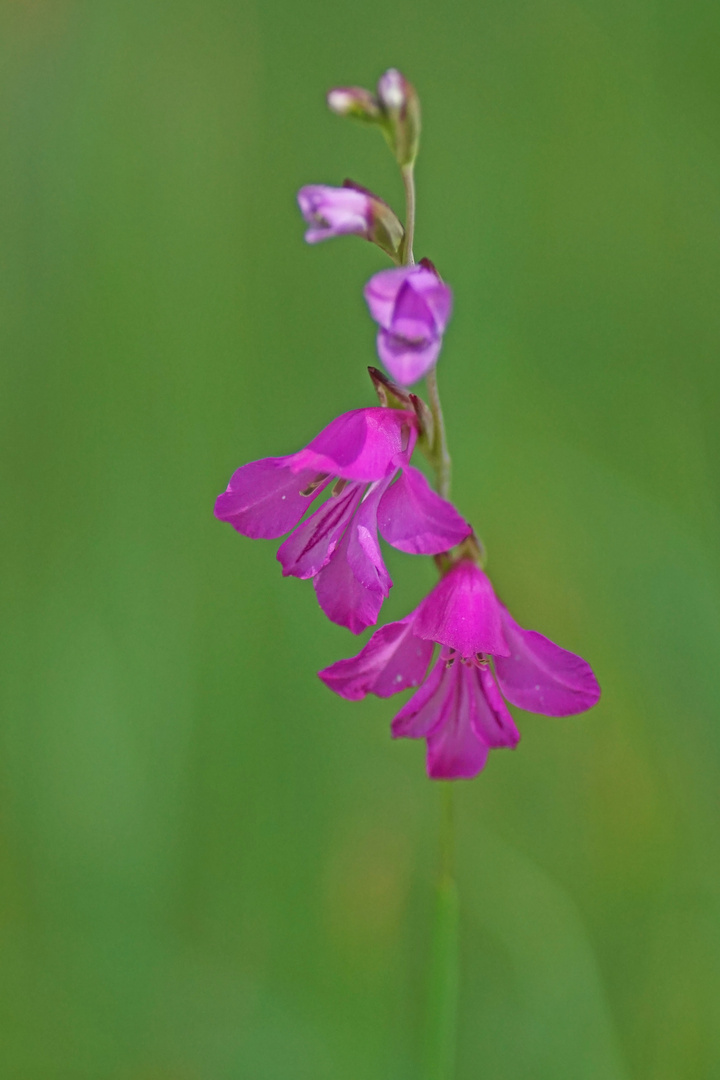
{"x":209,"y":866}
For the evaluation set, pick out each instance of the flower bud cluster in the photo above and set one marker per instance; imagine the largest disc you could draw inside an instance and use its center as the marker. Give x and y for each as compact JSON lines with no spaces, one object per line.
{"x":395,"y":108}
{"x":460,"y":650}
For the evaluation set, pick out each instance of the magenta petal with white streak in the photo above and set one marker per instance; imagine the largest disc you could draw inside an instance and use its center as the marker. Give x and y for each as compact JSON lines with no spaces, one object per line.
{"x":393,"y":660}
{"x":263,"y":499}
{"x":541,"y":677}
{"x":352,"y":586}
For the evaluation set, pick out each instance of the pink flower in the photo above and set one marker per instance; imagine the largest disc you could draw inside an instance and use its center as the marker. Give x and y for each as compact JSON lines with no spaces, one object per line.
{"x":459,"y":707}
{"x":349,"y":210}
{"x":356,"y":458}
{"x":412,"y":307}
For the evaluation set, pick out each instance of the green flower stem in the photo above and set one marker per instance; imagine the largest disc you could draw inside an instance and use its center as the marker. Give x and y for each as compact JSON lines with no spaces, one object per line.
{"x":440,"y":458}
{"x":441,"y":1025}
{"x":408,"y":177}
{"x":441,"y":1028}
{"x":437,"y":454}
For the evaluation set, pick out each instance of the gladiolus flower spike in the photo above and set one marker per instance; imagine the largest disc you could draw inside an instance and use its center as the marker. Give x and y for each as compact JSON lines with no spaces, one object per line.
{"x":460,"y":650}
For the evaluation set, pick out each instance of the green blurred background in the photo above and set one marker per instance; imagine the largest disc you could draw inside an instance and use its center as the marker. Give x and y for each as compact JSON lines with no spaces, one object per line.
{"x":211,"y":868}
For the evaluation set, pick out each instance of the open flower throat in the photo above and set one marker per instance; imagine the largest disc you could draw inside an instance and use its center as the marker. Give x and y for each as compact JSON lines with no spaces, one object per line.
{"x":460,"y":651}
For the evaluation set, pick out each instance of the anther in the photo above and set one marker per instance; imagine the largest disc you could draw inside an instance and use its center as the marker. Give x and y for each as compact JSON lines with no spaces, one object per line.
{"x":312,"y":487}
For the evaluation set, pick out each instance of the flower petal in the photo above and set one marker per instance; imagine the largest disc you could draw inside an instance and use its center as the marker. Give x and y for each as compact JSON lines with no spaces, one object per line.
{"x":463,"y":613}
{"x":413,"y":518}
{"x":454,"y":750}
{"x":381,"y":292}
{"x":383,"y":289}
{"x":360,"y":445}
{"x":353,"y":585}
{"x":489,"y":715}
{"x":311,"y":545}
{"x":540,"y":676}
{"x":333,"y":211}
{"x":412,"y":318}
{"x":436,"y":295}
{"x":407,"y":362}
{"x":344,"y":599}
{"x":427,"y":708}
{"x":393,"y":660}
{"x":263,"y":498}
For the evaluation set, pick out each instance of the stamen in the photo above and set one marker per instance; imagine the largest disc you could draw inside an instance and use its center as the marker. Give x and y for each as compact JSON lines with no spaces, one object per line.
{"x":315,"y":484}
{"x":338,"y":487}
{"x":404,"y":437}
{"x":482,"y":659}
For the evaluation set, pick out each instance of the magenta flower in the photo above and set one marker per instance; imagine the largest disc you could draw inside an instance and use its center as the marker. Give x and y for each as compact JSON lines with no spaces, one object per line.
{"x":356,"y":457}
{"x":412,"y":307}
{"x":349,"y":210}
{"x":459,"y":707}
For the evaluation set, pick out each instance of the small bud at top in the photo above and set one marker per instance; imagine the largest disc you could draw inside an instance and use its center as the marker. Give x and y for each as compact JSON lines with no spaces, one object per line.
{"x":356,"y":102}
{"x":401,"y":115}
{"x":391,"y":89}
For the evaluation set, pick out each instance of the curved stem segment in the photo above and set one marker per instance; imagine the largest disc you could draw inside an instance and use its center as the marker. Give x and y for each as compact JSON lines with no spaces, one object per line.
{"x":444,"y":975}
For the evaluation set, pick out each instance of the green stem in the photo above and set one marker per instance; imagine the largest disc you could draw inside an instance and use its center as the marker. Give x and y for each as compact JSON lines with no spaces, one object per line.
{"x":441,"y":1028}
{"x":444,"y":976}
{"x":441,"y":460}
{"x":408,"y":177}
{"x":439,"y":454}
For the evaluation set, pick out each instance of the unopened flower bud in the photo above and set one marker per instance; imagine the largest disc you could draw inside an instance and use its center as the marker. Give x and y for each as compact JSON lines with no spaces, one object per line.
{"x":331,"y":211}
{"x":390,"y":395}
{"x":356,"y":102}
{"x":401,"y":114}
{"x":411,"y":306}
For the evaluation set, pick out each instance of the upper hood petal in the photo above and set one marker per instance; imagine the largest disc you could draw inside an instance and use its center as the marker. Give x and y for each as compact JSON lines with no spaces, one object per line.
{"x":463,"y":613}
{"x":360,"y":445}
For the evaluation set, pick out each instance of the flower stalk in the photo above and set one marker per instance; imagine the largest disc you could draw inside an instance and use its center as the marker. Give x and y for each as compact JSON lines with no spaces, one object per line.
{"x":460,"y":651}
{"x":444,"y":972}
{"x":408,"y":178}
{"x":437,"y":451}
{"x":443,"y":989}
